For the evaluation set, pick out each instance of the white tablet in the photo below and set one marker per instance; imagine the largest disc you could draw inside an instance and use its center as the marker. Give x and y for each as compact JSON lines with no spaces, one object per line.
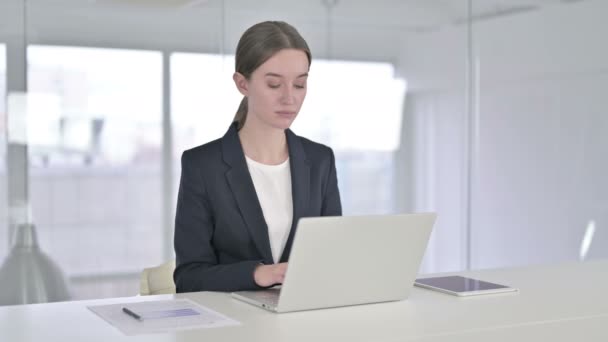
{"x":462,"y":286}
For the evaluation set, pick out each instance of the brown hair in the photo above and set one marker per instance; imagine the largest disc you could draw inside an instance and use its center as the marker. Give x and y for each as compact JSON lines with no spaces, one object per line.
{"x":260,"y":42}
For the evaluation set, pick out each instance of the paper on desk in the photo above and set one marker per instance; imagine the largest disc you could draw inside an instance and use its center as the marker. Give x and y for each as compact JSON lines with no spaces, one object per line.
{"x":156,"y":322}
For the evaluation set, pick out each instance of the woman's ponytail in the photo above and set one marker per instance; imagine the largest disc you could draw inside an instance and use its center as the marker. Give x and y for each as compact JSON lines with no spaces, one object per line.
{"x":241,"y":114}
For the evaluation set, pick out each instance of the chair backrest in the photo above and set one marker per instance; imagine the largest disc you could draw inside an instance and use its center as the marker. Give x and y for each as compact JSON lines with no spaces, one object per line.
{"x":157,"y":280}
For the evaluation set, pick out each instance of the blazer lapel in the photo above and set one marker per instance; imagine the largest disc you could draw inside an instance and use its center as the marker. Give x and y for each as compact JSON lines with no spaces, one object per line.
{"x":300,"y":185}
{"x":243,"y":190}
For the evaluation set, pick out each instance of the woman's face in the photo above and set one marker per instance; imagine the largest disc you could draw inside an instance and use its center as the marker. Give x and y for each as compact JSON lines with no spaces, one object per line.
{"x":276,"y":89}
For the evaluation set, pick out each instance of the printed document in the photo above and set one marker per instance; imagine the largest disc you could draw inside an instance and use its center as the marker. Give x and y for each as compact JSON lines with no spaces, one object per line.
{"x":161,"y":316}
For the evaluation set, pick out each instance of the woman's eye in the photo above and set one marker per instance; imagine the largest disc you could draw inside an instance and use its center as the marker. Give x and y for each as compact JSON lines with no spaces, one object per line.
{"x":300,"y":86}
{"x":273,"y":86}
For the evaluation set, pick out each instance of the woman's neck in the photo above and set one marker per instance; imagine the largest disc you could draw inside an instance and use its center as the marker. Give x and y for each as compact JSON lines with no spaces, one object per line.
{"x":264,"y":144}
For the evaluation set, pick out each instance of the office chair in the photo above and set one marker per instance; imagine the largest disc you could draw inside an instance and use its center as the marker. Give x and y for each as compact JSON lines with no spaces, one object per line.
{"x":157,"y":280}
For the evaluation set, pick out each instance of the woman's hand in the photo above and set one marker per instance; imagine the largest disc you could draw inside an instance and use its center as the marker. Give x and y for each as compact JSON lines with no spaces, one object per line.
{"x":267,"y":275}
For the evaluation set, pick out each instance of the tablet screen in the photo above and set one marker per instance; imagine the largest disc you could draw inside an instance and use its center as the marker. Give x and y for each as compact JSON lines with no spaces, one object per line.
{"x":459,"y":284}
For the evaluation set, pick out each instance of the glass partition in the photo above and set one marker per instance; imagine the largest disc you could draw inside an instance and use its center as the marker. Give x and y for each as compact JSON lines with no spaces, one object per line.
{"x":541,"y":195}
{"x":490,"y":113}
{"x":4,"y":243}
{"x":116,"y":90}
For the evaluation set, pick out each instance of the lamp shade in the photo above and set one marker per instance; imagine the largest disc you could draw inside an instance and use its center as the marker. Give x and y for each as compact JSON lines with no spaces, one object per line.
{"x":28,"y":275}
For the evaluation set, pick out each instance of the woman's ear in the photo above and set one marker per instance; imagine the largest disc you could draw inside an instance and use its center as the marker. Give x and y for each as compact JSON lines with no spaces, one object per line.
{"x":241,"y":83}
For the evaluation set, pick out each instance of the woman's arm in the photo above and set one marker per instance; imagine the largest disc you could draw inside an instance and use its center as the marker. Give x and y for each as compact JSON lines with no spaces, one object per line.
{"x":196,"y":260}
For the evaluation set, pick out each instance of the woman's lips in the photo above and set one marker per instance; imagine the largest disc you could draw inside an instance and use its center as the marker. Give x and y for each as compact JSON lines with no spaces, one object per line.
{"x":286,"y":113}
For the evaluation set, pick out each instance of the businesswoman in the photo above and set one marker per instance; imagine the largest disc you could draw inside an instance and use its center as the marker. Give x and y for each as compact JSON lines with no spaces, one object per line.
{"x":241,"y":196}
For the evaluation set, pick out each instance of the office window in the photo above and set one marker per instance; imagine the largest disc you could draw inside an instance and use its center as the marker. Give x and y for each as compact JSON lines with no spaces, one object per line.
{"x":95,"y":146}
{"x":354,"y":107}
{"x":203,"y":98}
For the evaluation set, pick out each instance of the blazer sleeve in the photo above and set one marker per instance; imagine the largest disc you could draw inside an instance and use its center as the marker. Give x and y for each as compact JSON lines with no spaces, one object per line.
{"x":197,"y":267}
{"x":331,"y":199}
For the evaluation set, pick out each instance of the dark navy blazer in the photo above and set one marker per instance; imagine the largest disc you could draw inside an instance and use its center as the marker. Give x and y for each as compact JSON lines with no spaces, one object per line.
{"x":220,"y":231}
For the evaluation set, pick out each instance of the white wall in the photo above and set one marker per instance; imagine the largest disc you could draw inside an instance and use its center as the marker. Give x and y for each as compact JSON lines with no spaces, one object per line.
{"x":543,"y":147}
{"x":541,"y":158}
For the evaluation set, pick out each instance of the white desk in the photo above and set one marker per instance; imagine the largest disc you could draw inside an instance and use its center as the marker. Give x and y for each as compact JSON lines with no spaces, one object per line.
{"x":558,"y":303}
{"x":583,"y":329}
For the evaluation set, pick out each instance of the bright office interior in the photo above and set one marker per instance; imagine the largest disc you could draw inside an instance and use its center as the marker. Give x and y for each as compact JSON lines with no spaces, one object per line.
{"x":493,"y":113}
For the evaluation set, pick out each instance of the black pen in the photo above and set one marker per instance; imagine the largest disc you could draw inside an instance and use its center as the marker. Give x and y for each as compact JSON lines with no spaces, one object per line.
{"x":132,"y":314}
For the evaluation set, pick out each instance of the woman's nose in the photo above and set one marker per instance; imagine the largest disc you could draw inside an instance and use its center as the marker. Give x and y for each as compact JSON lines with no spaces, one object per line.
{"x":288,"y":96}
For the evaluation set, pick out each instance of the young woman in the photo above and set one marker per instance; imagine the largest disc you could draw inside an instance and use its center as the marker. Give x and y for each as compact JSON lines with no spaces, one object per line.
{"x":241,"y":196}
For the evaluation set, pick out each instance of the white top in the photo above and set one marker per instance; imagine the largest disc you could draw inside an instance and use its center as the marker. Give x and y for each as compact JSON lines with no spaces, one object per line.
{"x":273,"y":186}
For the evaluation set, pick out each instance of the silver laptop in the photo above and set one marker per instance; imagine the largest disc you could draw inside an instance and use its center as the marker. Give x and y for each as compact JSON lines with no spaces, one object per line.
{"x":349,"y":260}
